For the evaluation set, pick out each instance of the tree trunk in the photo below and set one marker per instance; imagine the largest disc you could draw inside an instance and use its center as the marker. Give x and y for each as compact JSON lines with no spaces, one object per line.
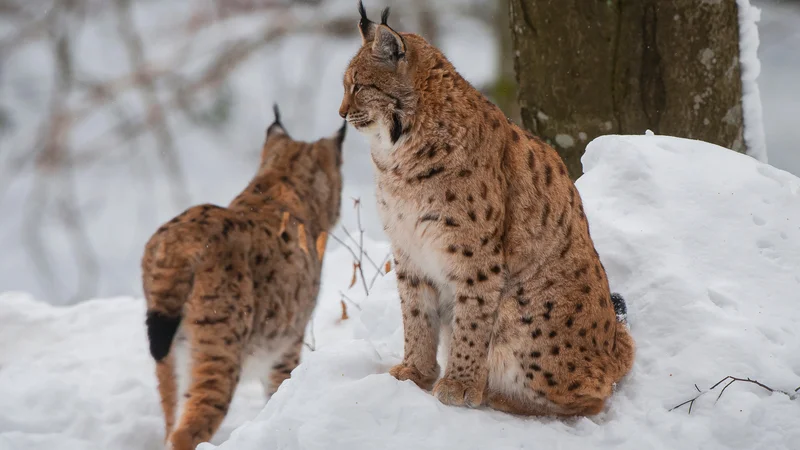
{"x":504,"y":91}
{"x":586,"y":68}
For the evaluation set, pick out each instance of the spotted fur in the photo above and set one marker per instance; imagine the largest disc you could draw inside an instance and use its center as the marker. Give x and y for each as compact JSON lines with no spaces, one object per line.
{"x":490,"y":238}
{"x":233,"y":287}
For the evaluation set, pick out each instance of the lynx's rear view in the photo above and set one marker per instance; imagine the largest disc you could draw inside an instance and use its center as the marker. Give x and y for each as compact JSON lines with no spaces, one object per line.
{"x":236,"y":286}
{"x":490,"y":237}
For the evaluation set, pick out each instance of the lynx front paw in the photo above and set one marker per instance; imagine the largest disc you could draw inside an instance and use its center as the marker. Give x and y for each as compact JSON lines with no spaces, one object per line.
{"x":458,"y":393}
{"x":408,"y":372}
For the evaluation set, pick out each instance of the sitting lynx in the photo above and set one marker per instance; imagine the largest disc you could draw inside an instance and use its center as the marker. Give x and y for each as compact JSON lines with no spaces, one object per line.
{"x":490,"y":238}
{"x":239,"y":284}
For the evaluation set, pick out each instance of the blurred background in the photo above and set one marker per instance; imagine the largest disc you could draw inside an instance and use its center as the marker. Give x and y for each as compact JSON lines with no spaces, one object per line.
{"x":115,"y":115}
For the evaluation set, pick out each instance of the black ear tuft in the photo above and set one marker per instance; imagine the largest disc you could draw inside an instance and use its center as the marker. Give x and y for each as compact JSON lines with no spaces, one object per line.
{"x":340,"y":133}
{"x":362,"y":11}
{"x":365,"y":26}
{"x":277,"y":113}
{"x":385,"y":15}
{"x":277,"y":125}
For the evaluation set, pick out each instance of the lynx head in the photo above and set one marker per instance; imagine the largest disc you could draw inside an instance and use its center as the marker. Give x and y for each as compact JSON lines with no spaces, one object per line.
{"x":379,"y":94}
{"x":313,"y":169}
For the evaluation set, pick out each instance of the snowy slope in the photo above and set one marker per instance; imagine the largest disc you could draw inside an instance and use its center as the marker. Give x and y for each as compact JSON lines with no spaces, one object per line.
{"x":703,"y":242}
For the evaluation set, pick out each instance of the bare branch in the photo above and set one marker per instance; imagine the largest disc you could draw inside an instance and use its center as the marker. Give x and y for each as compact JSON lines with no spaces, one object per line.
{"x":731,"y":379}
{"x":349,"y":300}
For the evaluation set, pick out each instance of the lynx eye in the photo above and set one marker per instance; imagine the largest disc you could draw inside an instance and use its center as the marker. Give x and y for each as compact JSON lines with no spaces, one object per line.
{"x":357,"y":88}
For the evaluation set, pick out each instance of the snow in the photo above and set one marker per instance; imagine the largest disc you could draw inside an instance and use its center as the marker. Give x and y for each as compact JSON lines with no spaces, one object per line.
{"x":704,"y":244}
{"x":750,"y":66}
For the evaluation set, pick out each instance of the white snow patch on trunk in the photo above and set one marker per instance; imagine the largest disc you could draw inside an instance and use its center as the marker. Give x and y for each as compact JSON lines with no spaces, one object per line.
{"x":754,"y":137}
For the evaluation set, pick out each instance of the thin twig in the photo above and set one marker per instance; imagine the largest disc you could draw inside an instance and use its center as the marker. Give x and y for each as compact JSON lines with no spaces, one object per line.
{"x":379,"y":272}
{"x":349,"y":300}
{"x":731,"y":379}
{"x":350,"y":236}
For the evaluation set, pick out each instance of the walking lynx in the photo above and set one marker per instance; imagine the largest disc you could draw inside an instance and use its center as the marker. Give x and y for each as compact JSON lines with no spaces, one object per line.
{"x":490,"y":238}
{"x":236,"y":286}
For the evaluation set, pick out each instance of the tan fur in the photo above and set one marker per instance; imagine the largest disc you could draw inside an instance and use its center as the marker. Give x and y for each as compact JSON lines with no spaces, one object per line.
{"x":490,"y":240}
{"x":242,"y":280}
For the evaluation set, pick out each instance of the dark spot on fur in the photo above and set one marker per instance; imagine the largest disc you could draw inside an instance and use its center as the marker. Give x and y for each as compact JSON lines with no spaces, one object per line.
{"x":527,"y":320}
{"x":570,"y":321}
{"x":450,"y":222}
{"x":449,"y":196}
{"x":397,"y":128}
{"x":415,"y":312}
{"x":468,"y":253}
{"x":574,"y":385}
{"x":430,"y":173}
{"x":548,"y":174}
{"x":545,"y":214}
{"x":536,"y":333}
{"x":566,"y":248}
{"x":429,"y":217}
{"x":514,"y":136}
{"x":482,"y":276}
{"x":552,"y":334}
{"x":472,"y":216}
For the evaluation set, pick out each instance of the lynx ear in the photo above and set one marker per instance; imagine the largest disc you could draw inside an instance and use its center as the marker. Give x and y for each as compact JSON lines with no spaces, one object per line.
{"x":365,"y":26}
{"x":276,"y":127}
{"x":388,"y":46}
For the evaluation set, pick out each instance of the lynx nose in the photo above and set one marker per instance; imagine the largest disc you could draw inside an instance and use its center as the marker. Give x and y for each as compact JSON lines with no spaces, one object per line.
{"x":343,"y":113}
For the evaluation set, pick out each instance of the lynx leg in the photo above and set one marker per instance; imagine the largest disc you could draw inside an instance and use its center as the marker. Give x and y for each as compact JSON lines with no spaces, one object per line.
{"x":217,"y":327}
{"x":167,"y":389}
{"x":282,"y":370}
{"x":418,"y":301}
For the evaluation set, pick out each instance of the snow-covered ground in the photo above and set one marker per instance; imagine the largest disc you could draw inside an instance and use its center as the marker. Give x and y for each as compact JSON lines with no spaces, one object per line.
{"x":703,"y":242}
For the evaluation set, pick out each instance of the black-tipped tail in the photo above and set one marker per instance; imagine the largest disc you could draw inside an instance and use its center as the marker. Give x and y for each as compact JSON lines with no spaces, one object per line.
{"x":620,"y":308}
{"x":161,"y":330}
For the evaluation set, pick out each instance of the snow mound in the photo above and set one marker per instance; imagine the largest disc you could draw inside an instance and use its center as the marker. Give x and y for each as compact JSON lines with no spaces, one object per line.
{"x":703,"y":242}
{"x":705,"y":245}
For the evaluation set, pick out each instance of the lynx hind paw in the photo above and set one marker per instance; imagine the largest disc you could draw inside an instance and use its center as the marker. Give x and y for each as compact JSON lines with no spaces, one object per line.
{"x":407,"y":372}
{"x":458,"y":393}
